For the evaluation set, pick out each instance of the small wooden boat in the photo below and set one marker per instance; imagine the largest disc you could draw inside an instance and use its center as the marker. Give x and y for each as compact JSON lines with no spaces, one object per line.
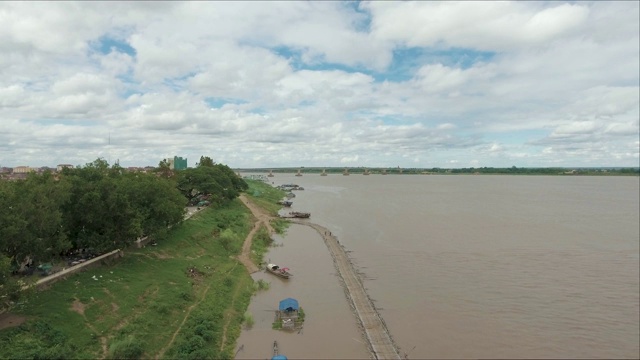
{"x":298,"y":214}
{"x":277,"y":270}
{"x":285,"y":203}
{"x":276,"y":353}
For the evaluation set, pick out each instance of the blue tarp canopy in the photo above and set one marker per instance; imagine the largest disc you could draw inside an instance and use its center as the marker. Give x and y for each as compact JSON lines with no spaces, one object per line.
{"x":279,"y":357}
{"x":288,"y":304}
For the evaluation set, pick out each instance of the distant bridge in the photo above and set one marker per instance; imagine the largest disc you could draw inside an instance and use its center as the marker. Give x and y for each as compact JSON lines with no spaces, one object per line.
{"x":325,"y":171}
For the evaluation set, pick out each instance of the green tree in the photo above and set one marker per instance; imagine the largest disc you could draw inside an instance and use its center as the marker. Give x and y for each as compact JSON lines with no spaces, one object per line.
{"x":32,"y":224}
{"x":205,"y":161}
{"x":164,"y":169}
{"x":218,"y":180}
{"x":99,"y":214}
{"x":9,"y":286}
{"x":157,"y":200}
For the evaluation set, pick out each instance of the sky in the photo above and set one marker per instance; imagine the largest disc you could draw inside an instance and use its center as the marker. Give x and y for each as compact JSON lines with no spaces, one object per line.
{"x":321,"y":83}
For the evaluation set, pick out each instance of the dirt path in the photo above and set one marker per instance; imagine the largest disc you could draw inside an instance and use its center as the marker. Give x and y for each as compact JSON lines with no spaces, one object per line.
{"x":186,"y":316}
{"x":79,"y":307}
{"x":380,"y":342}
{"x":244,"y":257}
{"x":262,"y":218}
{"x":8,"y":320}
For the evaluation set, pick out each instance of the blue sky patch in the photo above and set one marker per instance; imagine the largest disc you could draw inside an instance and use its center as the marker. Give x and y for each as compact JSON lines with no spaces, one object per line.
{"x":406,"y":61}
{"x":363,"y":21}
{"x":106,"y":44}
{"x":218,"y":102}
{"x":295,"y":59}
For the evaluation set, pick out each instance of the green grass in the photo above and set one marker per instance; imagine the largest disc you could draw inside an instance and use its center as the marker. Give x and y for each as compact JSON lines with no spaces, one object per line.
{"x":261,"y":285}
{"x":133,"y":307}
{"x":265,"y":196}
{"x":280,"y":225}
{"x":260,"y":244}
{"x":248,"y":320}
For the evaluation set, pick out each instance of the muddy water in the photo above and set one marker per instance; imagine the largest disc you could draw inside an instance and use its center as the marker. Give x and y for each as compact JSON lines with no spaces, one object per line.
{"x":483,"y":266}
{"x":330,"y":330}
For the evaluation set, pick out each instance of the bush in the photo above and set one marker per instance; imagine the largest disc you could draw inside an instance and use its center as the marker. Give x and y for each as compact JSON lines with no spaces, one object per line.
{"x":248,"y":320}
{"x":261,"y":285}
{"x":128,"y":348}
{"x":36,"y":340}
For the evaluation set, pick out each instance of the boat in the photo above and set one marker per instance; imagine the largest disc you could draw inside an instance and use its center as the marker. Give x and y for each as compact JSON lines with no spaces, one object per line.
{"x":277,"y":270}
{"x":276,"y":353}
{"x":285,"y":203}
{"x":298,"y":214}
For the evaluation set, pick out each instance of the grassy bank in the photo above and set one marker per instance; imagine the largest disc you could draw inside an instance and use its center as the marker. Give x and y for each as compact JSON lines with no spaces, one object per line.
{"x":184,"y":298}
{"x":265,"y":196}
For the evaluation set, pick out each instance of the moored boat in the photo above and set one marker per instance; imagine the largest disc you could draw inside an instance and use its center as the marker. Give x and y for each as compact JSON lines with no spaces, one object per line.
{"x":277,"y":270}
{"x":285,"y":203}
{"x":276,"y":353}
{"x":298,"y":214}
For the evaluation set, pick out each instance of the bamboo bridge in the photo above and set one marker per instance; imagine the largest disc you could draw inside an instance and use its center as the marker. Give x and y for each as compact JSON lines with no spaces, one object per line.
{"x":371,"y":323}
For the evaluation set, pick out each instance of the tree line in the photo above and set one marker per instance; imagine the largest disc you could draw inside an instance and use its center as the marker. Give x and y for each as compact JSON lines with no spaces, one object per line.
{"x":98,"y":208}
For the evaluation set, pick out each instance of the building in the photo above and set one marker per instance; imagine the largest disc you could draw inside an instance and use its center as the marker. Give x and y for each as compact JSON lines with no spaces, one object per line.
{"x":62,"y":166}
{"x":22,"y":169}
{"x":44,"y":169}
{"x":177,"y":163}
{"x":288,"y":313}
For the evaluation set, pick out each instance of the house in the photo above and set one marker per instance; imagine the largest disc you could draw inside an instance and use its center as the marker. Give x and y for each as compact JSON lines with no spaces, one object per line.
{"x":288,"y":313}
{"x":22,"y":169}
{"x":62,"y":166}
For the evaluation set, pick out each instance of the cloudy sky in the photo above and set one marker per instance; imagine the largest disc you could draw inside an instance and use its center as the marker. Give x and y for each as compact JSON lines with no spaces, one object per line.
{"x":266,"y":84}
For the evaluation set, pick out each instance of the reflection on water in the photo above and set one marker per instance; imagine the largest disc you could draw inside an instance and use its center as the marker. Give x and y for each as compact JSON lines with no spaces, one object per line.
{"x":482,"y":266}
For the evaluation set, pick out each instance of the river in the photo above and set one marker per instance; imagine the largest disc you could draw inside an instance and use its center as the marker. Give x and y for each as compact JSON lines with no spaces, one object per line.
{"x":463,"y":266}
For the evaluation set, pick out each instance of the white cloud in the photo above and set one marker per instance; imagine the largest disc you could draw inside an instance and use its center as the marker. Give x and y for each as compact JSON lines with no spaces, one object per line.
{"x":478,"y":25}
{"x":557,"y":83}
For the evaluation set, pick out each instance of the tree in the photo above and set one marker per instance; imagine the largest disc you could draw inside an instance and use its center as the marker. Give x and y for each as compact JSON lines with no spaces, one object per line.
{"x":158,"y":201}
{"x":218,"y":180}
{"x":32,"y":225}
{"x":9,"y":286}
{"x":99,"y":214}
{"x":164,"y":169}
{"x":205,"y":161}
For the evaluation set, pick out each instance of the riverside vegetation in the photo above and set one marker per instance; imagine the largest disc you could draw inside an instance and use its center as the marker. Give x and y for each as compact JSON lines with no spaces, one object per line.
{"x":95,"y":209}
{"x":185,"y":298}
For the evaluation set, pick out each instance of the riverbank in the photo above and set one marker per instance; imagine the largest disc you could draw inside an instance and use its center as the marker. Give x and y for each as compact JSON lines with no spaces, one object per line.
{"x":183,"y":297}
{"x":330,"y":330}
{"x":371,"y":325}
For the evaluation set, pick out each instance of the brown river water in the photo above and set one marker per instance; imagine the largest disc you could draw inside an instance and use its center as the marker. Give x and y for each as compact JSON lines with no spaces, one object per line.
{"x":462,"y":267}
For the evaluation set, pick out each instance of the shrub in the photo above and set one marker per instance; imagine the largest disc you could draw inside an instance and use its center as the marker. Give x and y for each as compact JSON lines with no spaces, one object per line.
{"x":261,"y":285}
{"x":248,"y":319}
{"x":128,"y":348}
